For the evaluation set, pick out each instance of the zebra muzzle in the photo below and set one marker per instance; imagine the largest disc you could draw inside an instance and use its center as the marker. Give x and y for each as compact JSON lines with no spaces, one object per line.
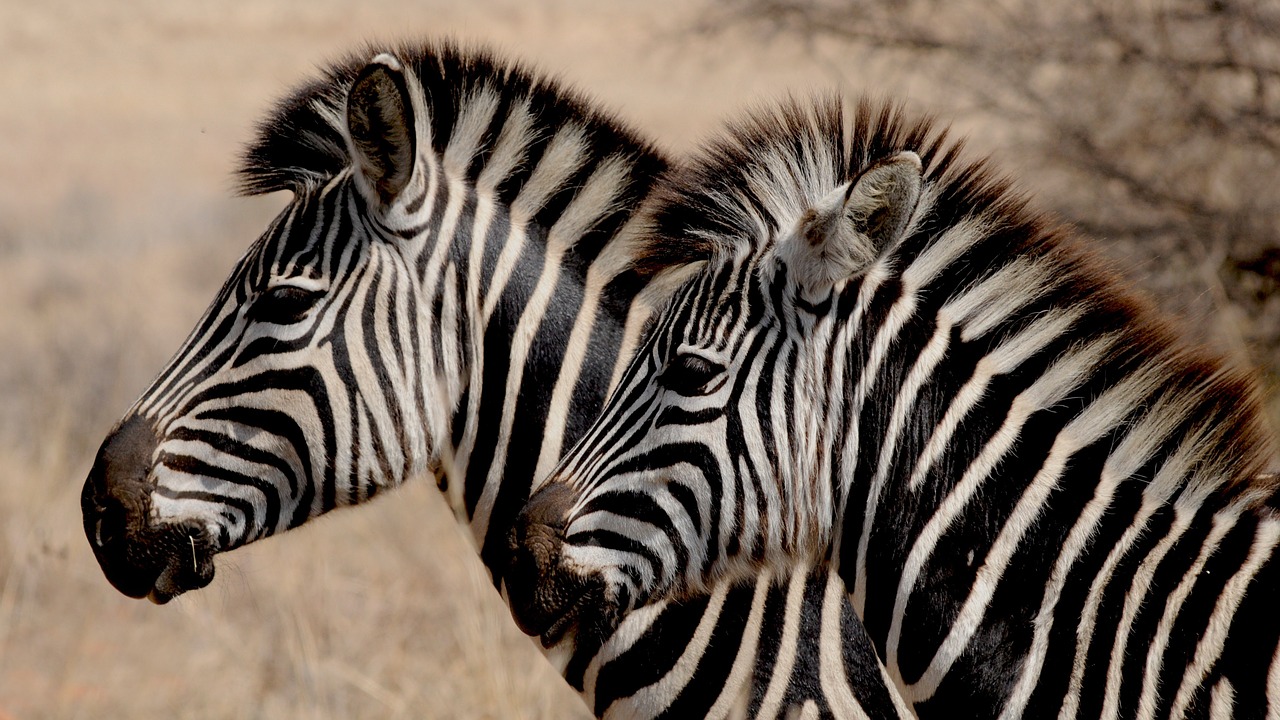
{"x":546,"y":598}
{"x":157,"y":562}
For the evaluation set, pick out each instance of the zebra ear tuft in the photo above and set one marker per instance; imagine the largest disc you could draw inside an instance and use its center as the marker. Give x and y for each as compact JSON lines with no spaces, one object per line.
{"x":846,"y":230}
{"x":381,"y":124}
{"x":881,"y":202}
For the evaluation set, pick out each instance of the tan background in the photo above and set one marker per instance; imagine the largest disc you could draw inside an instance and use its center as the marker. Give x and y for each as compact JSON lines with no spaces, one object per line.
{"x":120,"y":124}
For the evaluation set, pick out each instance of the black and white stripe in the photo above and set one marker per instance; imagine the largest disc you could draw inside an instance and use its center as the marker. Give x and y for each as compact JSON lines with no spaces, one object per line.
{"x":1044,"y":501}
{"x":450,"y":291}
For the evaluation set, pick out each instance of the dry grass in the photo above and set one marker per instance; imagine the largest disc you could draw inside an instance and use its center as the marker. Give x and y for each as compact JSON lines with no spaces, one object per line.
{"x":117,"y":136}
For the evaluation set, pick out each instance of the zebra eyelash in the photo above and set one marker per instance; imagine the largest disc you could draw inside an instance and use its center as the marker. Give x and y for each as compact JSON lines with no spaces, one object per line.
{"x":284,"y":304}
{"x":691,"y":375}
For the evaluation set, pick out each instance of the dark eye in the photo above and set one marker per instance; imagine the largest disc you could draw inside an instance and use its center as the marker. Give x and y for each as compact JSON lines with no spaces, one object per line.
{"x":283,"y":304}
{"x":689,"y":374}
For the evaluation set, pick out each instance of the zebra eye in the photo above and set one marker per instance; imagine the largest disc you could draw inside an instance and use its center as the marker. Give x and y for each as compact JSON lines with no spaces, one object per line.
{"x":283,"y":304}
{"x":688,"y":374}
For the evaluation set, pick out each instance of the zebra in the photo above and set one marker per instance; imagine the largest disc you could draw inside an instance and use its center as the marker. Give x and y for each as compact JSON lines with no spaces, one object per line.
{"x":450,"y":293}
{"x":1045,"y":501}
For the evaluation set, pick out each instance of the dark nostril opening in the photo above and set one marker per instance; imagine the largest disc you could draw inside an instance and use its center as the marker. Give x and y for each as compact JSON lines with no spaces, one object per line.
{"x":109,"y":525}
{"x":118,"y":480}
{"x":534,"y":544}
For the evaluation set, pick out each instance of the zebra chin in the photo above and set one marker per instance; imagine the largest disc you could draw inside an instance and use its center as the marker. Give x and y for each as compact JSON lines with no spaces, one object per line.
{"x":158,"y":562}
{"x":548,"y":599}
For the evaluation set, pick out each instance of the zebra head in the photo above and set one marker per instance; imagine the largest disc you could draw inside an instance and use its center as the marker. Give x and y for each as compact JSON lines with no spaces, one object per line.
{"x":700,"y":465}
{"x":297,"y":391}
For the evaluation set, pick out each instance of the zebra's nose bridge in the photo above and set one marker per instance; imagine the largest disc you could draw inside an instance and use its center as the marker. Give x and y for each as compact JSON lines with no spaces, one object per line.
{"x":538,"y":533}
{"x":123,"y":464}
{"x":550,"y":505}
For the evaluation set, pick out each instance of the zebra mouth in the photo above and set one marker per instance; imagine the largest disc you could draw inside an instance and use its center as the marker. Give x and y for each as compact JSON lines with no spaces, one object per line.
{"x":158,"y":563}
{"x":586,"y":619}
{"x":548,"y":598}
{"x":139,"y":557}
{"x":567,"y":619}
{"x":183,"y":572}
{"x":551,"y":604}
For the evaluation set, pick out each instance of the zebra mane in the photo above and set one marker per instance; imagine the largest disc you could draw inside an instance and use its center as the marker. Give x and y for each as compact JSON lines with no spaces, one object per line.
{"x":300,"y":144}
{"x":765,"y":172}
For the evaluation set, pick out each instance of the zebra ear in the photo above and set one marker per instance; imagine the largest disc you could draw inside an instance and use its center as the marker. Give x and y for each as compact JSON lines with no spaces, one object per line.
{"x":846,"y":230}
{"x":381,"y":125}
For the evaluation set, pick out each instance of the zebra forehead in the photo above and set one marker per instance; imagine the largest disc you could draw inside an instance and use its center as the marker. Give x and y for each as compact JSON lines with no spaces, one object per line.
{"x":300,"y":145}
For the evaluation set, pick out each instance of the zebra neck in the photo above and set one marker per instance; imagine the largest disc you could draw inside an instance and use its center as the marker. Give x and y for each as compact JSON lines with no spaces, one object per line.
{"x":533,"y":326}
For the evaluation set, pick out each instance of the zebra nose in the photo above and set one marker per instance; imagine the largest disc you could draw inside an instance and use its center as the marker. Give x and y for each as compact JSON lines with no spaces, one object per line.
{"x":533,"y":578}
{"x":114,"y":504}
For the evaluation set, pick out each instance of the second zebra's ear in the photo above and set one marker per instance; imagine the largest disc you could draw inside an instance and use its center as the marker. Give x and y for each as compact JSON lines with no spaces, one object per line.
{"x":382,"y":125}
{"x":849,"y":228}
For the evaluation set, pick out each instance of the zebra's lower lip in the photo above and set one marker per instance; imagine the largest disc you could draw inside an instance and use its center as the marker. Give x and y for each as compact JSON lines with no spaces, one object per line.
{"x":561,"y":624}
{"x":182,"y":575}
{"x":590,"y":619}
{"x":159,"y":598}
{"x":158,"y":563}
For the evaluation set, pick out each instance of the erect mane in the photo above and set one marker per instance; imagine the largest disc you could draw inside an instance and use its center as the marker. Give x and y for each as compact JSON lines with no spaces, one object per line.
{"x":300,"y":144}
{"x":765,"y":172}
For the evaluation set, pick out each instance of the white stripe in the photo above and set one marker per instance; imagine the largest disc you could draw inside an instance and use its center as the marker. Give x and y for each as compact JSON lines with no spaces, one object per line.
{"x":831,"y":670}
{"x":1133,"y":451}
{"x":594,"y":202}
{"x":1222,"y":700}
{"x":475,"y":114}
{"x":1134,"y":599}
{"x":786,"y":659}
{"x":737,"y":690}
{"x":633,"y":627}
{"x":652,"y":700}
{"x":1222,"y":523}
{"x":1061,"y":378}
{"x":1209,"y":649}
{"x":1154,"y":496}
{"x":1273,"y":686}
{"x":1099,"y":418}
{"x":901,"y":311}
{"x":1003,"y":360}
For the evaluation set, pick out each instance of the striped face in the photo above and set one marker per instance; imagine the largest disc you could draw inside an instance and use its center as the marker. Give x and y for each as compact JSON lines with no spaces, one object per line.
{"x":681,"y":442}
{"x":280,"y":405}
{"x":300,"y":389}
{"x":706,"y":458}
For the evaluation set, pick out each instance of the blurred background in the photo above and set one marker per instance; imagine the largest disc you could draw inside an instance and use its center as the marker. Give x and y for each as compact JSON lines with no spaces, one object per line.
{"x":1153,"y":126}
